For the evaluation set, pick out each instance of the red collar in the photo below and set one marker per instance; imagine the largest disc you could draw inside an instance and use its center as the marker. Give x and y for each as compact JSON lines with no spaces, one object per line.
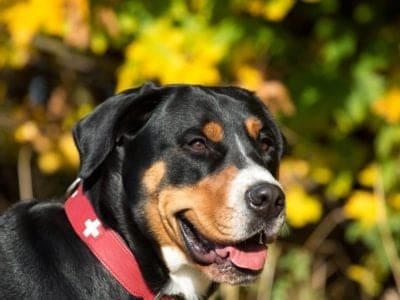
{"x":106,"y":245}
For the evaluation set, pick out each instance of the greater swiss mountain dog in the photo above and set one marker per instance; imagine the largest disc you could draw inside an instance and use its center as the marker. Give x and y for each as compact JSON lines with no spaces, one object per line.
{"x":184,"y":174}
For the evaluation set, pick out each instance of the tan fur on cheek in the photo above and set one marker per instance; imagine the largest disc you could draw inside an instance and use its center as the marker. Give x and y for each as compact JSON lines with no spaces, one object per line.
{"x":156,"y":224}
{"x":153,"y":176}
{"x":151,"y":181}
{"x":204,"y":203}
{"x":214,"y":131}
{"x":253,"y":126}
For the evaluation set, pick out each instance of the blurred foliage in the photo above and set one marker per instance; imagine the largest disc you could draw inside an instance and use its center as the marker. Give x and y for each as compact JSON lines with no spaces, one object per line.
{"x":329,"y":70}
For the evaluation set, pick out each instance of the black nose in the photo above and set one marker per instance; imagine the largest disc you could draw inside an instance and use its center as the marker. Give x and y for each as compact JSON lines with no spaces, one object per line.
{"x":265,"y":199}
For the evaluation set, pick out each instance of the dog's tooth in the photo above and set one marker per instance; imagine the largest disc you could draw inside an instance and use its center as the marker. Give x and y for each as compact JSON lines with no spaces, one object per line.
{"x":261,"y":238}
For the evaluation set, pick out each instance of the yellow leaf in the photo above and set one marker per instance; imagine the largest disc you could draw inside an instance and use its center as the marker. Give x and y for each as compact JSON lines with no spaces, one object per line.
{"x":365,"y":278}
{"x":84,"y":109}
{"x":388,"y":107}
{"x":249,"y":77}
{"x":98,"y":44}
{"x":340,"y":186}
{"x":321,"y":175}
{"x":394,"y":201}
{"x":276,"y":10}
{"x":369,"y":176}
{"x":363,"y":207}
{"x":49,"y":162}
{"x":272,"y":10}
{"x":186,"y":54}
{"x":67,"y":147}
{"x":302,"y":208}
{"x":27,"y":132}
{"x":25,"y":18}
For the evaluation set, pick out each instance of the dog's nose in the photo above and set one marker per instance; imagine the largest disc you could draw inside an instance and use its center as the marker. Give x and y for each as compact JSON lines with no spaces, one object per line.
{"x":265,"y":199}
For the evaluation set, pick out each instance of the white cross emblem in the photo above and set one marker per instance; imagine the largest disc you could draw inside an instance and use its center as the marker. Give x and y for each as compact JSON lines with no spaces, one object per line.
{"x":91,"y":228}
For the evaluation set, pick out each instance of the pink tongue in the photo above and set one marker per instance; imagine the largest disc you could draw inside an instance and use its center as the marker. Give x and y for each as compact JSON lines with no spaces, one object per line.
{"x":252,"y":258}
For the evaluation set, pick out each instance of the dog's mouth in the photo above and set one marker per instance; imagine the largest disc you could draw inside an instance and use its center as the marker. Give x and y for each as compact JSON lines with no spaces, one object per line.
{"x":246,"y":256}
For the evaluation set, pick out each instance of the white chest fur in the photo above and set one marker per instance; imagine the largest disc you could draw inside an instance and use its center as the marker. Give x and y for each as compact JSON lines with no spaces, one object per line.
{"x":185,"y":279}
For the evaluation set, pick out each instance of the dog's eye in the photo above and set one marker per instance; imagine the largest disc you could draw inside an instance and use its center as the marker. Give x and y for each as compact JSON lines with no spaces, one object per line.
{"x":197,"y":145}
{"x":265,"y":144}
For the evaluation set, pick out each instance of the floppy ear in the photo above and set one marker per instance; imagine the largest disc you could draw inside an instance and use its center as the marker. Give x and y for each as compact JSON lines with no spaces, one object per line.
{"x":97,"y":134}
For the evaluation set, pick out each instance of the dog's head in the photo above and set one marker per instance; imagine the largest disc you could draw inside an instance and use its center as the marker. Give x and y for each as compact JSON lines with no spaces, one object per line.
{"x":199,"y":168}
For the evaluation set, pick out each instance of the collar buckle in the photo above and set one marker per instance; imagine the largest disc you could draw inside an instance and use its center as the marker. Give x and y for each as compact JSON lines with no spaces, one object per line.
{"x":73,"y":186}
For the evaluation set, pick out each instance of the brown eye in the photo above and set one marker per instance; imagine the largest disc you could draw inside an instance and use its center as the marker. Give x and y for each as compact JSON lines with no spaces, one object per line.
{"x":265,"y":144}
{"x":197,"y":145}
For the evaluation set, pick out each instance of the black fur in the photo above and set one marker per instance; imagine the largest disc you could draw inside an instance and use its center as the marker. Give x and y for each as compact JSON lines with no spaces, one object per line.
{"x":40,"y":255}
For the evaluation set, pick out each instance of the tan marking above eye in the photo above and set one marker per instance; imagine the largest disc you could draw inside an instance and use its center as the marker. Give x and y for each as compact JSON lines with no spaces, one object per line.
{"x":153,"y":176}
{"x":253,"y":126}
{"x":214,"y":131}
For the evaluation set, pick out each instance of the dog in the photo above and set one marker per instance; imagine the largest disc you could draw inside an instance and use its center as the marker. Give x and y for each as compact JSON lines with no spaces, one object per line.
{"x":182,"y":179}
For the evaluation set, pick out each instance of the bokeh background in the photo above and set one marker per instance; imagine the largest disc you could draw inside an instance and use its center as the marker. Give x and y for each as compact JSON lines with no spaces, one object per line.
{"x":329,"y":69}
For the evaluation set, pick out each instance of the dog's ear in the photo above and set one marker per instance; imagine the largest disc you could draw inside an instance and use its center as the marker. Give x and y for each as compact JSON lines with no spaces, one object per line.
{"x":97,"y":134}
